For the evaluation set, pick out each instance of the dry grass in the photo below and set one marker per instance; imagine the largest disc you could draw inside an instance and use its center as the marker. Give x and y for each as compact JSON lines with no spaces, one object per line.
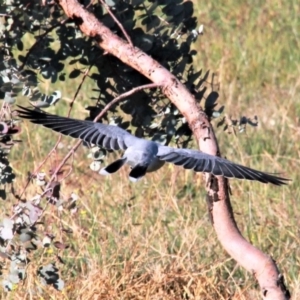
{"x":153,"y":240}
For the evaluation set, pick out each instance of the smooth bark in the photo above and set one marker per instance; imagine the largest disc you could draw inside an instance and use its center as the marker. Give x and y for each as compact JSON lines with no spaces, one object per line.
{"x":252,"y":259}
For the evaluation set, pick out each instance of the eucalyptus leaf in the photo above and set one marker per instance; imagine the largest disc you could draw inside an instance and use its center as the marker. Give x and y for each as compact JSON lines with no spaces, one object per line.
{"x":7,"y":285}
{"x":59,"y":284}
{"x":95,"y":166}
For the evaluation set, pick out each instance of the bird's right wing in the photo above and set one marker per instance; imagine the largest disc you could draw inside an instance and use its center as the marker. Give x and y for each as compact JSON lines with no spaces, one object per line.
{"x":107,"y":136}
{"x":203,"y":162}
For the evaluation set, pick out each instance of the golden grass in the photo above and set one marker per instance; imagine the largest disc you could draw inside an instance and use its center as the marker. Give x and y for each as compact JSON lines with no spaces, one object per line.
{"x":153,"y":240}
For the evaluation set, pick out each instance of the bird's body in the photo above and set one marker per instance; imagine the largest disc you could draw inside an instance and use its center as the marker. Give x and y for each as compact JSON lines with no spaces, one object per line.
{"x":142,"y":158}
{"x":146,"y":156}
{"x":143,"y":155}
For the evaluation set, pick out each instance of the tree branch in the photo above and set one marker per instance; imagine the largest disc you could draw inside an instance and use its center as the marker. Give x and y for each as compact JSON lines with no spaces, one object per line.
{"x":252,"y":259}
{"x":117,"y":22}
{"x":100,"y":115}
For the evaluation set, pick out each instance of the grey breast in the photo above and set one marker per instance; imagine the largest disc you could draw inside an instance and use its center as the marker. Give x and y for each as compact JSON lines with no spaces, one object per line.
{"x":143,"y":153}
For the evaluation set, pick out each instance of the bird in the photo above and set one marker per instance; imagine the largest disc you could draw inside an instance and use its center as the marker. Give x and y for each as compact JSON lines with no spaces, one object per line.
{"x":143,"y":155}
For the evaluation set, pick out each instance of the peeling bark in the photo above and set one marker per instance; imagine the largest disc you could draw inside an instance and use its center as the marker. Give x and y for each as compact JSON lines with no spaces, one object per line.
{"x":252,"y":259}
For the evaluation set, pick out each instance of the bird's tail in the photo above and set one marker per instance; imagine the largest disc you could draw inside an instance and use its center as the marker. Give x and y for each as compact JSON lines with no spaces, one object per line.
{"x":137,"y":173}
{"x":113,"y":167}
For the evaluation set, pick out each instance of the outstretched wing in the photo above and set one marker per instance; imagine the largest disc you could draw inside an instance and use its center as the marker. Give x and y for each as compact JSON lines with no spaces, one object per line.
{"x":202,"y":162}
{"x":106,"y":136}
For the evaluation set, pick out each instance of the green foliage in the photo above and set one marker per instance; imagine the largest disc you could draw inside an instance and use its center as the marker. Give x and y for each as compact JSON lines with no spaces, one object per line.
{"x":163,"y":30}
{"x":115,"y":224}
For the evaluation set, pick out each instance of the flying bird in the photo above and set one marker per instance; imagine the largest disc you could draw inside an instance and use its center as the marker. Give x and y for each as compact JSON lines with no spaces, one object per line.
{"x":143,"y":155}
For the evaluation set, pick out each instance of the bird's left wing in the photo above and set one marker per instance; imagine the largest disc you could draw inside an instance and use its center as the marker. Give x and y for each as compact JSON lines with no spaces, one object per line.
{"x":202,"y":162}
{"x":106,"y":136}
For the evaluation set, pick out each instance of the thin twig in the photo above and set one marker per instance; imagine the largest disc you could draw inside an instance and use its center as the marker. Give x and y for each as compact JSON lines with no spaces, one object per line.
{"x":32,"y":175}
{"x":71,"y":168}
{"x":118,"y":23}
{"x":74,"y":148}
{"x":124,"y":95}
{"x":79,"y":87}
{"x":60,"y":136}
{"x":100,"y":115}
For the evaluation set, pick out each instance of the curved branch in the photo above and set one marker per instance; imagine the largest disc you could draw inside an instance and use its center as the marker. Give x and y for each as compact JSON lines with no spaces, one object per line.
{"x":98,"y":117}
{"x":252,"y":259}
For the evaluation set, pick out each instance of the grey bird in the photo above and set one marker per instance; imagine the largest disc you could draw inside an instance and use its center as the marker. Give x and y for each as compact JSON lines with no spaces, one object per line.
{"x":143,"y":155}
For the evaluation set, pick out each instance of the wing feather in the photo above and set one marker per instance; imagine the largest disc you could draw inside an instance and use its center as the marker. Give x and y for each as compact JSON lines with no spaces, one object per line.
{"x":106,"y":142}
{"x":106,"y":136}
{"x":115,"y":138}
{"x":189,"y":164}
{"x":202,"y":162}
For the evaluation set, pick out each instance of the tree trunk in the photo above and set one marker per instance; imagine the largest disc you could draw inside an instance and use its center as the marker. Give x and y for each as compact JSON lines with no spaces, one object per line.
{"x":255,"y":261}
